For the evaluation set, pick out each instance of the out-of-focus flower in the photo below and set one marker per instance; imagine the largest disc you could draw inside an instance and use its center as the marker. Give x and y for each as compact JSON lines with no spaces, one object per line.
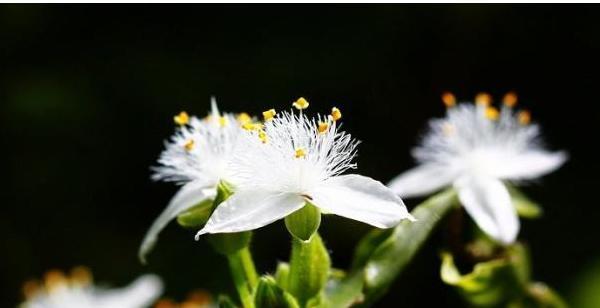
{"x":77,"y":291}
{"x":475,"y":148}
{"x":295,"y":160}
{"x":196,"y":299}
{"x":198,"y":157}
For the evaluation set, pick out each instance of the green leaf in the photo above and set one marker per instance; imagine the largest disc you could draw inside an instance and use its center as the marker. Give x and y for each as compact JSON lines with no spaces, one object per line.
{"x":309,"y":268}
{"x":524,"y":206}
{"x":225,"y":302}
{"x":394,"y":253}
{"x":304,"y":222}
{"x":368,"y":244}
{"x":491,"y":283}
{"x":196,"y":216}
{"x":269,"y":294}
{"x":346,"y":291}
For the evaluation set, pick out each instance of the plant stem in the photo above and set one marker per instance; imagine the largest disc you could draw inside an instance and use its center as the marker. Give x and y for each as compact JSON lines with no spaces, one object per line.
{"x":244,"y":275}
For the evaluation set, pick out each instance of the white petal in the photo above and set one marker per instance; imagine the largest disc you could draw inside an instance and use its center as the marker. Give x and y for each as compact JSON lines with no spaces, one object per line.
{"x":189,"y":195}
{"x":422,"y":180}
{"x":360,"y":198}
{"x":139,"y":294}
{"x":487,"y":201}
{"x":529,"y":165}
{"x":248,"y":210}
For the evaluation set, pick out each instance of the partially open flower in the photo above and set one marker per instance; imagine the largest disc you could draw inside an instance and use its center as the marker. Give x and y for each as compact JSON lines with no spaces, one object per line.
{"x":197,"y":157}
{"x":295,"y":160}
{"x":77,"y":291}
{"x":475,"y":148}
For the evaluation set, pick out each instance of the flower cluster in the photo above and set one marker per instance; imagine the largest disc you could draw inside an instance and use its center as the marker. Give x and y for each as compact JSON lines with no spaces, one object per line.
{"x":476,"y":148}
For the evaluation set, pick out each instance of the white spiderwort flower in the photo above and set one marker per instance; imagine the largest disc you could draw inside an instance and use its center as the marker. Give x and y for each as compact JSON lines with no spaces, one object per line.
{"x":77,"y":291}
{"x":197,"y":156}
{"x":475,"y":148}
{"x":296,"y":160}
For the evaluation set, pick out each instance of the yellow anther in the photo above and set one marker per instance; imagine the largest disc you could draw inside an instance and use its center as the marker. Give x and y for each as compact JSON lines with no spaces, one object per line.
{"x":54,"y":279}
{"x":244,"y":118}
{"x":510,"y":99}
{"x":252,"y":126}
{"x":182,"y":118}
{"x":262,"y":135}
{"x":189,"y":145}
{"x":300,"y":103}
{"x":81,"y":275}
{"x":448,"y":99}
{"x":30,"y":288}
{"x":336,"y":114}
{"x":524,"y":117}
{"x":223,"y":121}
{"x":300,"y":153}
{"x":483,"y":99}
{"x":269,"y":114}
{"x":323,"y":127}
{"x":492,"y":113}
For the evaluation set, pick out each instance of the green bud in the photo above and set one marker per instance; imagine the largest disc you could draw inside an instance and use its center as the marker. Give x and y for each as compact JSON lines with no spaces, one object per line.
{"x":309,"y":268}
{"x":269,"y":294}
{"x":229,"y":243}
{"x":303,"y":223}
{"x":282,"y":274}
{"x":196,"y":216}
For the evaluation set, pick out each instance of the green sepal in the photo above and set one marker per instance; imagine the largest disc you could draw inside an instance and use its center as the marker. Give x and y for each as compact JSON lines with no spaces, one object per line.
{"x":225,"y":302}
{"x":491,"y":283}
{"x":396,"y":251}
{"x":525,"y":207}
{"x":269,"y":294}
{"x":229,"y":243}
{"x":304,"y":222}
{"x":309,"y":268}
{"x":197,"y":216}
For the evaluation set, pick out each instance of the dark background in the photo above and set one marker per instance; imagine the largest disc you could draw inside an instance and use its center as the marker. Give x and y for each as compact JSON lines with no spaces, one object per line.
{"x":87,"y":95}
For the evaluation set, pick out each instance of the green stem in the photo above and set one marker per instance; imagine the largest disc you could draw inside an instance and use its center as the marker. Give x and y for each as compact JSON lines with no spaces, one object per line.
{"x":309,"y":268}
{"x":244,"y":275}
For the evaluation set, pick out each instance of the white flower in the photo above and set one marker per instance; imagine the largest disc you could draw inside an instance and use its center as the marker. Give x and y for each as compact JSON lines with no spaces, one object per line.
{"x":77,"y":291}
{"x":476,"y":148}
{"x":295,"y":160}
{"x":197,"y":157}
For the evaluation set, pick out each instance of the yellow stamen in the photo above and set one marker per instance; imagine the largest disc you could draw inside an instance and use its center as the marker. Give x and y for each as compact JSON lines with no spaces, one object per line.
{"x":524,"y":117}
{"x":182,"y":118}
{"x":300,"y":103}
{"x":492,"y":113}
{"x":448,"y":99}
{"x":54,"y":279}
{"x":252,"y":126}
{"x":510,"y":99}
{"x":81,"y":275}
{"x":262,"y":135}
{"x":189,"y":145}
{"x":336,"y":114}
{"x":30,"y":288}
{"x":483,"y":99}
{"x":300,"y":153}
{"x":244,"y":118}
{"x":323,"y":127}
{"x":223,"y":121}
{"x":269,"y":114}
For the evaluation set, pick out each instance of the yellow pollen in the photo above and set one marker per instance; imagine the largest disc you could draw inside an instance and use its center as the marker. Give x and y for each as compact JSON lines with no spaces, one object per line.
{"x":300,"y":103}
{"x":182,"y":118}
{"x":524,"y":117}
{"x":223,"y":121}
{"x":300,"y":153}
{"x":30,"y":288}
{"x":483,"y":99}
{"x":492,"y":113}
{"x":323,"y":127}
{"x":269,"y":114}
{"x":81,"y":275}
{"x":54,"y":279}
{"x":336,"y":114}
{"x":252,"y":126}
{"x":448,"y":99}
{"x":510,"y":99}
{"x":244,"y":118}
{"x":262,"y":136}
{"x":189,"y":145}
